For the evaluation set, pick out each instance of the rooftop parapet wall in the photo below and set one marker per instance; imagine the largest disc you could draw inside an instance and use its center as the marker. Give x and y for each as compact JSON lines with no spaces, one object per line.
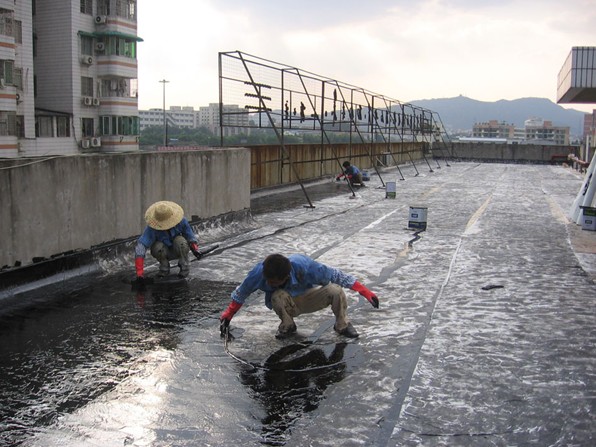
{"x":58,"y":204}
{"x":531,"y":153}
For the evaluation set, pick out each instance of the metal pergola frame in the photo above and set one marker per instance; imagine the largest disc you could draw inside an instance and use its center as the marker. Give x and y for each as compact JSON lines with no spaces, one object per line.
{"x":326,"y":105}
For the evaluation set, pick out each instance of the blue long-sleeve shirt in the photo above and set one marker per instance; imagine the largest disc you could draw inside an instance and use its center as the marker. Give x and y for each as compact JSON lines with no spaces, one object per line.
{"x":351,"y":171}
{"x":305,"y":274}
{"x":151,"y":235}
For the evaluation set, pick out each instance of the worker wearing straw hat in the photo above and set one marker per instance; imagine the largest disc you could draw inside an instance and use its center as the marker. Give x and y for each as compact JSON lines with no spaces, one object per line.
{"x":169,"y":236}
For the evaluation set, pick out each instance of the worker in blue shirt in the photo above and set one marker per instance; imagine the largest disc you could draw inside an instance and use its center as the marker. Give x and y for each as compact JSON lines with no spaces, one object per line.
{"x":297,"y":285}
{"x":352,"y":173}
{"x":169,"y":236}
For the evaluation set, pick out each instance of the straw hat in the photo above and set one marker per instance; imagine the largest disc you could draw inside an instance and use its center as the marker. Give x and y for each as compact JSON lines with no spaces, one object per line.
{"x":164,"y":215}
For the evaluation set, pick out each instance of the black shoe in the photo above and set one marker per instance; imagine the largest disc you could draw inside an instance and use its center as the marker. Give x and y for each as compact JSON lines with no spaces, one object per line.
{"x":280,"y":335}
{"x":163,"y":273}
{"x":348,"y":331}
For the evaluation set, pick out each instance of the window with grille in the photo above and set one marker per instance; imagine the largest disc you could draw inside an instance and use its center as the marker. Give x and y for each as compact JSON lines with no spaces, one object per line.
{"x":43,"y":126}
{"x":87,"y":7}
{"x":86,"y":86}
{"x":6,"y":71}
{"x":63,"y":126}
{"x":86,"y":46}
{"x":87,"y":127}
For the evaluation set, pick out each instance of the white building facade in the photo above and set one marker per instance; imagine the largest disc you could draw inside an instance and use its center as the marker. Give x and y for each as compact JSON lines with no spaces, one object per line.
{"x":237,"y":120}
{"x":69,"y":71}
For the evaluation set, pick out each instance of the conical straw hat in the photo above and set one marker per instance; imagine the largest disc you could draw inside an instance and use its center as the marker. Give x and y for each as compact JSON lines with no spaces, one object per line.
{"x":164,"y":215}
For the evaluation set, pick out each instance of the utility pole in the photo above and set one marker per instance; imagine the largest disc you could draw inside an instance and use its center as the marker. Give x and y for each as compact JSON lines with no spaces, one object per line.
{"x":165,"y":133}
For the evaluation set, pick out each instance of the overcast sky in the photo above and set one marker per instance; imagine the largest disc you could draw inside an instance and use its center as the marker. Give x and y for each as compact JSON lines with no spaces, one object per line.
{"x":405,"y":50}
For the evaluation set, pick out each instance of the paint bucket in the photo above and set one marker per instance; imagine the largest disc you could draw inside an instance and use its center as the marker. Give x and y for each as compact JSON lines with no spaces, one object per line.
{"x":390,"y":190}
{"x":417,"y":219}
{"x":589,"y":218}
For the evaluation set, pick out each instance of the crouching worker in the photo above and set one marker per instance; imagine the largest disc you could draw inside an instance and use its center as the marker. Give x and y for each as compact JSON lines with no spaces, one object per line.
{"x":298,"y":285}
{"x":169,"y":236}
{"x":352,"y":173}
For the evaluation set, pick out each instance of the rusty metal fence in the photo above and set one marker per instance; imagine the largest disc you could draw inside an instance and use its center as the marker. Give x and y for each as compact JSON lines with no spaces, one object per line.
{"x":320,"y":120}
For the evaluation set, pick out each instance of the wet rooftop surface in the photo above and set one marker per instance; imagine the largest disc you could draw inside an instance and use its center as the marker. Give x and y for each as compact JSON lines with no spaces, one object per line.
{"x":485,"y":334}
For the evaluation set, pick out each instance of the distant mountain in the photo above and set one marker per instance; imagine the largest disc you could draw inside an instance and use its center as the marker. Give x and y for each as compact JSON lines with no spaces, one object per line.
{"x":461,"y":113}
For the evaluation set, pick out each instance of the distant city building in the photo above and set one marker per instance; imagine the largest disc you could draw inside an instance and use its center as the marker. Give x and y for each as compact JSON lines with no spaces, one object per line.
{"x":176,"y":116}
{"x":68,"y":77}
{"x":236,"y":119}
{"x":542,"y":131}
{"x":493,"y":129}
{"x":589,"y":135}
{"x":535,"y":131}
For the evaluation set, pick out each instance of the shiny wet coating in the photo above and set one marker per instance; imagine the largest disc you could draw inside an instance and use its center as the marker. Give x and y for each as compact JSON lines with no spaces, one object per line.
{"x":484,"y":334}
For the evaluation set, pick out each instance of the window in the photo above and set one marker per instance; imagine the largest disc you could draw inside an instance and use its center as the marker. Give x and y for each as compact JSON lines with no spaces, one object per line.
{"x":103,"y":7}
{"x":121,"y":47}
{"x":20,"y":126}
{"x":87,"y":7}
{"x":18,"y":31}
{"x":63,"y":126}
{"x":44,"y":127}
{"x":87,"y":127}
{"x":119,"y":125}
{"x":86,"y":86}
{"x":87,"y":45}
{"x":8,"y":124}
{"x":119,"y":87}
{"x":127,"y":9}
{"x":6,"y":71}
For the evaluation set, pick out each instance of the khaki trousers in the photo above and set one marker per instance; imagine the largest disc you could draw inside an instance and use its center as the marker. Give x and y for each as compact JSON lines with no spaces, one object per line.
{"x":313,"y":300}
{"x":165,"y":254}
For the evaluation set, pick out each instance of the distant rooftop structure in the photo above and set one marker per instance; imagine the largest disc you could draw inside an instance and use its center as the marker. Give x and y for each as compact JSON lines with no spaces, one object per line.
{"x":576,"y":83}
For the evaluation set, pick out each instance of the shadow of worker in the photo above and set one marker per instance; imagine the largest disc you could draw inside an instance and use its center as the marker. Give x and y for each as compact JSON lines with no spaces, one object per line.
{"x":291,"y":383}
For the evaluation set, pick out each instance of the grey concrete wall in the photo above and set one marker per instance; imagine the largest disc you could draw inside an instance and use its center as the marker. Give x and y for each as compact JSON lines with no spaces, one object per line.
{"x":57,"y":204}
{"x":508,"y":152}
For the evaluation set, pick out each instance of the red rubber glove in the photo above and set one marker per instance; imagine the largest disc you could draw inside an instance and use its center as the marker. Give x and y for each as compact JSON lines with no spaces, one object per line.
{"x":194,"y":247}
{"x":370,"y":296}
{"x":226,"y":317}
{"x":139,"y":266}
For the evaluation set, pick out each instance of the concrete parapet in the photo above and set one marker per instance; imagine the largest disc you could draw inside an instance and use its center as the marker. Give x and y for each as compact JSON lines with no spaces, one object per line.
{"x":54,"y":205}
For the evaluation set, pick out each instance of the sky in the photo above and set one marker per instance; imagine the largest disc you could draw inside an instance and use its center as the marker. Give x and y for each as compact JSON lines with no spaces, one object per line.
{"x":404,"y":50}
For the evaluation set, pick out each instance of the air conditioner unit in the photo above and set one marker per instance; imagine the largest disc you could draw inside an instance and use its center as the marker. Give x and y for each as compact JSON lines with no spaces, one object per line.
{"x":87,"y":100}
{"x":100,"y":46}
{"x":100,"y":19}
{"x":96,"y":102}
{"x":96,"y":141}
{"x":87,"y":60}
{"x":86,"y":143}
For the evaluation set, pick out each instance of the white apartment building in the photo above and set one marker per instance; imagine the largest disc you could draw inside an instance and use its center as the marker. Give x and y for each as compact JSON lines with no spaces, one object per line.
{"x":176,"y":116}
{"x":68,"y":80}
{"x":236,"y":119}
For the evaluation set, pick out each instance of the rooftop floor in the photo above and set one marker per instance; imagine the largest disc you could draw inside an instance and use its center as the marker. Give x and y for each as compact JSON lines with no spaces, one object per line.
{"x":485,"y":334}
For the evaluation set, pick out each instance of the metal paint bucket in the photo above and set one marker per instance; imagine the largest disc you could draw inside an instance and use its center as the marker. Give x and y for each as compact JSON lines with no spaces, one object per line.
{"x":588,"y":218}
{"x":417,"y":219}
{"x":390,"y":190}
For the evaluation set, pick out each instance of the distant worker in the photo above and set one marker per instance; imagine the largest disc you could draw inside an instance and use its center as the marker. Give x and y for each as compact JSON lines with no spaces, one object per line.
{"x":169,"y":236}
{"x":352,"y":173}
{"x":297,"y":285}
